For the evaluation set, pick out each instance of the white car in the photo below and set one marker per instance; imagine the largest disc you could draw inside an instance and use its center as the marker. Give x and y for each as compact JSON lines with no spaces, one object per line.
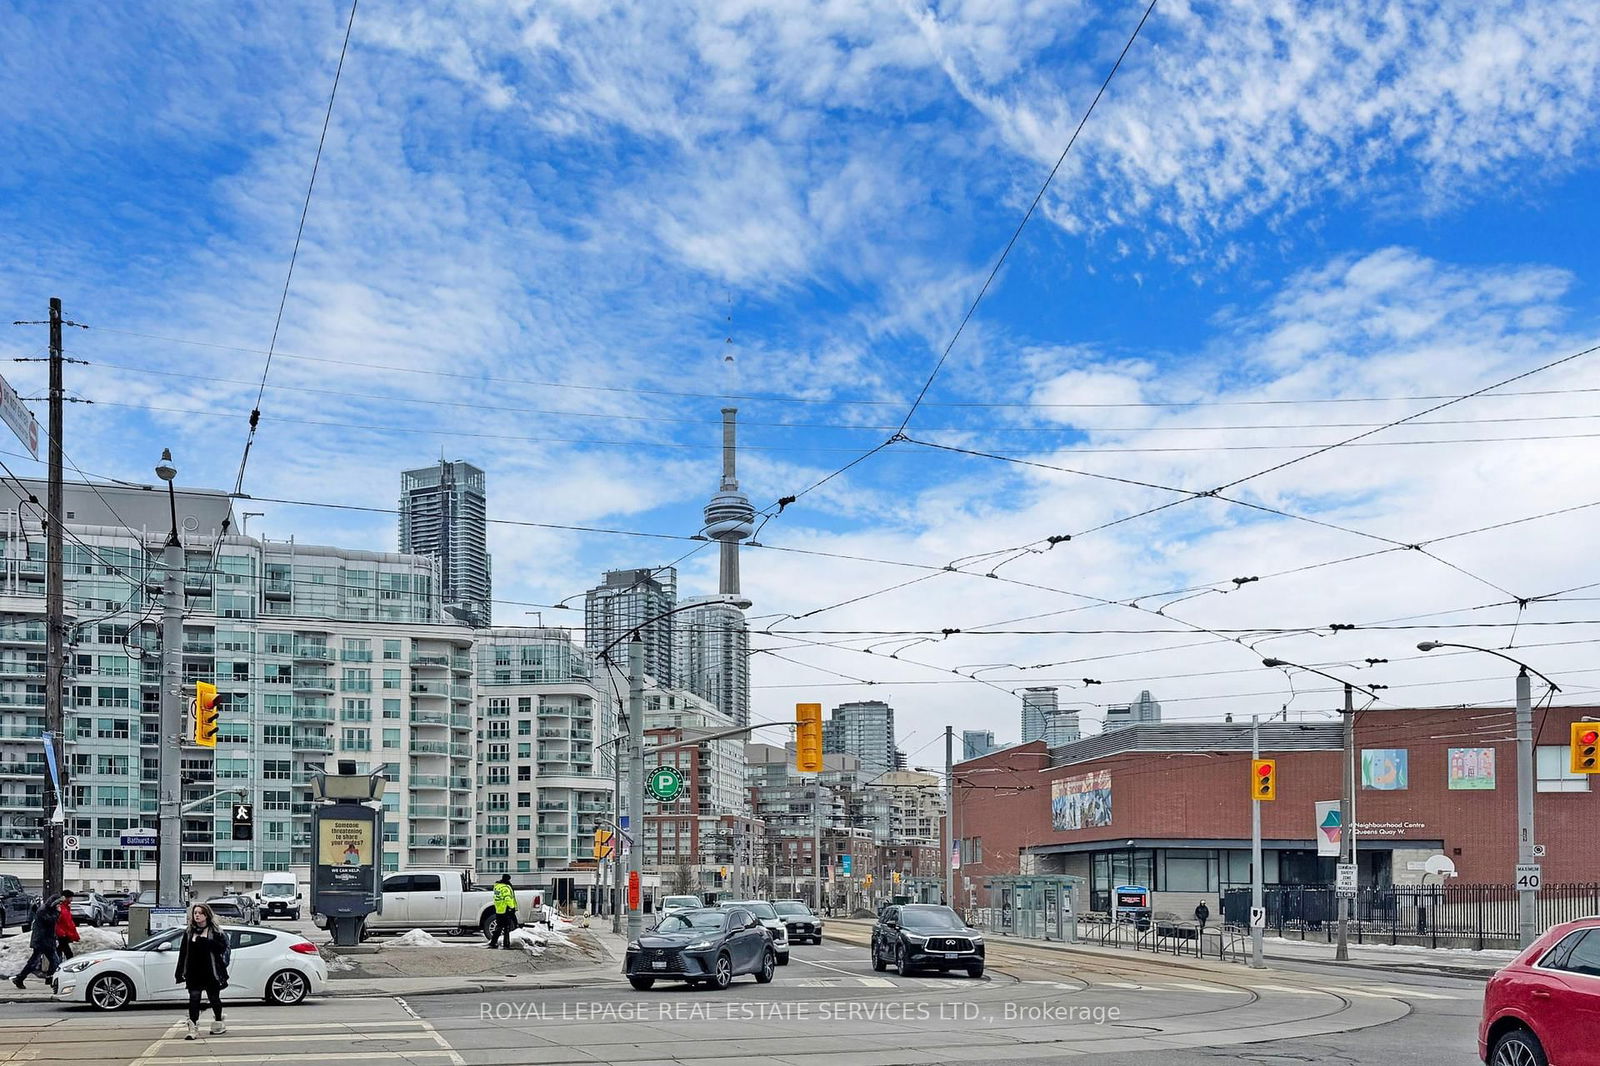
{"x":271,"y":964}
{"x":92,"y":908}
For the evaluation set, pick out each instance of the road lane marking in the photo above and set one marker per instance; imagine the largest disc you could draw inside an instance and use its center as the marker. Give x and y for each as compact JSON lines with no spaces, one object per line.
{"x":1212,"y":989}
{"x":1405,"y":990}
{"x":293,"y":1032}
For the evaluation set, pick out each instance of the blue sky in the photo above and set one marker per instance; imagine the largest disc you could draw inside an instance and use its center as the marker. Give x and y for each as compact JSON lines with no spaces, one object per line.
{"x":1333,"y":207}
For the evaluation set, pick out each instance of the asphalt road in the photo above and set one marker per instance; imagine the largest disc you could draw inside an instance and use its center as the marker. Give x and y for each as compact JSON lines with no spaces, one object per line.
{"x":826,"y":1007}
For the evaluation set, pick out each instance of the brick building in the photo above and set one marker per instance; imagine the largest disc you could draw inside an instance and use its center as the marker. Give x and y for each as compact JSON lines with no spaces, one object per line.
{"x":1168,"y":806}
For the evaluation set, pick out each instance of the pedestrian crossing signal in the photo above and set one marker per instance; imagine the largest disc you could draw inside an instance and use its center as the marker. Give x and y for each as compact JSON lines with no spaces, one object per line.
{"x":1586,"y":748}
{"x":1263,"y":779}
{"x":602,"y":843}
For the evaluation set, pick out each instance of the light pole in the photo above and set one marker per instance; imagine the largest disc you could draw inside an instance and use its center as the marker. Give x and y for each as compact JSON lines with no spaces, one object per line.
{"x":1257,"y":875}
{"x":636,"y":745}
{"x":1527,"y":898}
{"x":169,"y":854}
{"x":1347,"y":795}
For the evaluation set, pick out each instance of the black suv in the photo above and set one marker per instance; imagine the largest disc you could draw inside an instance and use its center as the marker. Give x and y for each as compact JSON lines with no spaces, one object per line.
{"x":919,"y":936}
{"x":16,"y":903}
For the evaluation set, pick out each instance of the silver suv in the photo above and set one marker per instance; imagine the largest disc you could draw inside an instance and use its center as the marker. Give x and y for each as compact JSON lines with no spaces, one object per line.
{"x":768,"y":917}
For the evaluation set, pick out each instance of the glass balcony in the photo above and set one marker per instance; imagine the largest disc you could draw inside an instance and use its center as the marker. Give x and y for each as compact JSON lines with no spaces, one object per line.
{"x":429,"y":688}
{"x":429,"y":661}
{"x":313,"y":683}
{"x":430,"y":747}
{"x":429,"y":781}
{"x":429,"y":810}
{"x":429,"y":718}
{"x":305,"y":742}
{"x":313,"y":653}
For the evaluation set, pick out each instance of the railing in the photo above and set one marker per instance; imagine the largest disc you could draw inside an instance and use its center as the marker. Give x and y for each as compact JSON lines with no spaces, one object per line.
{"x":1449,"y":915}
{"x":430,"y":660}
{"x":429,"y":781}
{"x":429,"y":718}
{"x":314,"y":653}
{"x":429,"y":810}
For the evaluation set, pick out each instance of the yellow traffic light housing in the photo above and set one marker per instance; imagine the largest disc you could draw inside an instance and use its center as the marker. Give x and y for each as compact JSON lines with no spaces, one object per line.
{"x":1586,"y":747}
{"x":602,"y":843}
{"x":205,"y":714}
{"x":808,"y":738}
{"x":1264,"y":779}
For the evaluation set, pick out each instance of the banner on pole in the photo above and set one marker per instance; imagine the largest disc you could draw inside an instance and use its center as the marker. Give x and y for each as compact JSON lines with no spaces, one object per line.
{"x":1330,"y":828}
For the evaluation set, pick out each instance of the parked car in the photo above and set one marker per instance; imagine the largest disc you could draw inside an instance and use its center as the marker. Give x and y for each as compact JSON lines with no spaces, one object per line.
{"x":710,"y":947}
{"x":120,"y":902}
{"x":1544,"y":1006}
{"x":925,"y":936}
{"x":798,"y":921}
{"x":271,"y":964}
{"x":91,"y":908}
{"x":769,"y":918}
{"x":17,"y":904}
{"x":236,"y":907}
{"x":445,"y":900}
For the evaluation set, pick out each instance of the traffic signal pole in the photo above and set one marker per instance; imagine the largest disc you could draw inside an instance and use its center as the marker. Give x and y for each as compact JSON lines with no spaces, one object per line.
{"x":1257,"y":894}
{"x":636,"y":785}
{"x":53,"y":833}
{"x":1527,"y":898}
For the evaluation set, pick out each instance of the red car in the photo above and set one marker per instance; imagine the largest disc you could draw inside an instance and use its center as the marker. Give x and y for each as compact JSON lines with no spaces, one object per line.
{"x":1543,"y":1009}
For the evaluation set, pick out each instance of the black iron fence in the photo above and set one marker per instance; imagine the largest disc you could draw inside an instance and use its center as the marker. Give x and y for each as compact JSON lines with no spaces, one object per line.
{"x":1449,"y":915}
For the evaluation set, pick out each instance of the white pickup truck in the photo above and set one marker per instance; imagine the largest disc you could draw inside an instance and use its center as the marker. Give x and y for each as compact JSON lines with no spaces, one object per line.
{"x":446,"y":900}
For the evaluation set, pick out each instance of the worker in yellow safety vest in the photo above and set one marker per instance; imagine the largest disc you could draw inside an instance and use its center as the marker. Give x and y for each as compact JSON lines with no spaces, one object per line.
{"x":505,"y":913}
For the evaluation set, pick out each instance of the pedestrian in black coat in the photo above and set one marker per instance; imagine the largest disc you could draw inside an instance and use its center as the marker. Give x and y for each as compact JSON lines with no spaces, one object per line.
{"x":42,"y":939}
{"x":203,"y":967}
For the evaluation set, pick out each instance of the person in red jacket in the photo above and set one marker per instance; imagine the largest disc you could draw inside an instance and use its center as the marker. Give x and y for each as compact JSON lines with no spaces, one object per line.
{"x":66,"y":927}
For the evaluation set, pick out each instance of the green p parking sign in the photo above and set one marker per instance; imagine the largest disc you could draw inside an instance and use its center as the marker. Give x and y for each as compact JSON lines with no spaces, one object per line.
{"x":665,"y":784}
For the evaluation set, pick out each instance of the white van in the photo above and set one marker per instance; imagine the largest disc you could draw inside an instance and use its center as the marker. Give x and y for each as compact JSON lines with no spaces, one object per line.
{"x":279,"y":896}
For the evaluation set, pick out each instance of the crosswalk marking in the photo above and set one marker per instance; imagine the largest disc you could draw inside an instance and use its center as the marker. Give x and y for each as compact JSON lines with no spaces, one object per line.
{"x":1213,"y":989}
{"x":1290,"y":991}
{"x":168,"y":1048}
{"x":1406,"y":990}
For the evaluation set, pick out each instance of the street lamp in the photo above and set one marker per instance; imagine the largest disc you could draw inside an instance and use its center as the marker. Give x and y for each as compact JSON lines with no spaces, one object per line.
{"x":1527,"y":898}
{"x":1347,"y":800}
{"x":169,"y":852}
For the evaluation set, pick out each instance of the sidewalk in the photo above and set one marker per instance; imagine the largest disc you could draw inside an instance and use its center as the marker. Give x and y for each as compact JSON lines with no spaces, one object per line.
{"x":600,"y":971}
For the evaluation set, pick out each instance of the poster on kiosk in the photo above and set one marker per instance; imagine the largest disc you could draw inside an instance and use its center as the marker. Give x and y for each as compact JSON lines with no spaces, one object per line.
{"x":1131,"y":903}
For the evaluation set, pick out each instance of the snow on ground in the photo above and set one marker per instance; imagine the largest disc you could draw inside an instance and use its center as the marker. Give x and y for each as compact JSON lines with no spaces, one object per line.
{"x":14,"y":949}
{"x":417,"y":938}
{"x":1487,"y":955}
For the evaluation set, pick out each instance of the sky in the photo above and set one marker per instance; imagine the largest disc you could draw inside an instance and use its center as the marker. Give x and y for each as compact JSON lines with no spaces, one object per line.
{"x":554,"y":239}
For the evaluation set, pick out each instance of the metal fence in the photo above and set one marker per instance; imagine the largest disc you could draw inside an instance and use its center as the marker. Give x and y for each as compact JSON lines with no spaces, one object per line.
{"x":1449,"y":915}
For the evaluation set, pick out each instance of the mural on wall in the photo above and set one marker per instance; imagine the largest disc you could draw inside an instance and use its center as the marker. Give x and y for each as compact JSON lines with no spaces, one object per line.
{"x":1081,"y":802}
{"x":1471,"y":768}
{"x":1386,"y":769}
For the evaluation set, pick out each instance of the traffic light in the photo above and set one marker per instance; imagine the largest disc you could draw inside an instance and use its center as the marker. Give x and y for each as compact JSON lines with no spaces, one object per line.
{"x":1586,"y":748}
{"x":244,"y":821}
{"x":808,"y":738}
{"x":205,"y":714}
{"x":895,"y":876}
{"x":867,"y":881}
{"x":1263,"y":779}
{"x":602,"y":843}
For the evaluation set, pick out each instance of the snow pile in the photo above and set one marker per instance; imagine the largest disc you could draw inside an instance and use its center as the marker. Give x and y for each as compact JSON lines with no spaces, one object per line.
{"x":14,"y":949}
{"x":93,"y":938}
{"x":417,"y":938}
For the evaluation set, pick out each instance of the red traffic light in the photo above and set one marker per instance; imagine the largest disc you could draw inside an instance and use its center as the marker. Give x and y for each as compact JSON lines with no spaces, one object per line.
{"x":1264,"y":770}
{"x":1589,"y":737}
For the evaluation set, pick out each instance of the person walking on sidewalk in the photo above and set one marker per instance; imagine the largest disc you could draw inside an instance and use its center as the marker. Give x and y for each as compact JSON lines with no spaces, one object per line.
{"x":1202,"y":915}
{"x":505,"y":912}
{"x":42,"y":941}
{"x":66,"y":927}
{"x":203,"y":967}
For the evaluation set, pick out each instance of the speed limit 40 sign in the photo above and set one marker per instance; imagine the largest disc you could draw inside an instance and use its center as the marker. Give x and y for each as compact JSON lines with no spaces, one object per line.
{"x":1529,"y":877}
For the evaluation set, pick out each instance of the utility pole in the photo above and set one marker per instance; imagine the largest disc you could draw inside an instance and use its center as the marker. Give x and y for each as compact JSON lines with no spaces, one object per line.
{"x":1527,"y":898}
{"x":949,"y":817}
{"x":738,"y":860}
{"x":1347,"y":831}
{"x":169,"y":838}
{"x":636,"y":783}
{"x":1257,"y":893}
{"x":53,"y":831}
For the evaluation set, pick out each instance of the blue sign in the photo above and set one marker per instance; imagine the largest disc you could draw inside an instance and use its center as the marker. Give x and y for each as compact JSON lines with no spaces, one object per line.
{"x":138,"y":840}
{"x":844,"y":865}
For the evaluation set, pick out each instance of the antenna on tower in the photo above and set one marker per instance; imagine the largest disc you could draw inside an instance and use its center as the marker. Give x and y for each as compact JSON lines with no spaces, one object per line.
{"x":730,"y":366}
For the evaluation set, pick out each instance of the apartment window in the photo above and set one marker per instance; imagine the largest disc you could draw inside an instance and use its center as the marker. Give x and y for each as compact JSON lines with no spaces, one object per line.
{"x":356,"y":740}
{"x":391,"y":649}
{"x":275,"y":800}
{"x":356,"y":710}
{"x":524,"y":751}
{"x":525,"y":728}
{"x":524,"y":847}
{"x":1553,"y":771}
{"x":524,"y":822}
{"x":111,"y":729}
{"x":524,"y":800}
{"x":391,"y":679}
{"x":275,"y":769}
{"x":391,"y":708}
{"x":276,"y":734}
{"x":524,"y":773}
{"x":391,"y":738}
{"x":524,"y":704}
{"x":358,"y":680}
{"x":356,"y":650}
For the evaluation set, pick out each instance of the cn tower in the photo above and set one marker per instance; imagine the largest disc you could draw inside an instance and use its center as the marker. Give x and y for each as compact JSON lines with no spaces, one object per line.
{"x":729,"y":516}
